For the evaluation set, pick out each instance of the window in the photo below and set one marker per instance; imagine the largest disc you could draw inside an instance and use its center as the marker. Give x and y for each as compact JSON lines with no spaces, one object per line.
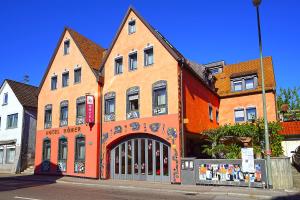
{"x":217,"y":116}
{"x":5,"y":98}
{"x":131,"y":27}
{"x":133,"y":103}
{"x":214,"y":70}
{"x":159,"y":98}
{"x":48,"y":116}
{"x":132,"y":61}
{"x":12,"y":121}
{"x":251,"y":114}
{"x":119,"y":65}
{"x":148,"y":56}
{"x":1,"y":154}
{"x":66,"y":47}
{"x":210,"y":111}
{"x":80,"y":148}
{"x":109,"y":106}
{"x":77,"y":75}
{"x":244,"y":83}
{"x":249,"y":83}
{"x":239,"y":115}
{"x":237,"y":85}
{"x":10,"y":155}
{"x":62,"y":149}
{"x":0,"y":123}
{"x":64,"y":113}
{"x":80,"y":110}
{"x":54,"y":83}
{"x":46,"y":149}
{"x":65,"y":79}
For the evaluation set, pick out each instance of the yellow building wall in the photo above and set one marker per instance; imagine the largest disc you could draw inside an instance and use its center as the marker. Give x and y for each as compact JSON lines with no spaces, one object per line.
{"x":228,"y":105}
{"x":61,"y":64}
{"x":165,"y":67}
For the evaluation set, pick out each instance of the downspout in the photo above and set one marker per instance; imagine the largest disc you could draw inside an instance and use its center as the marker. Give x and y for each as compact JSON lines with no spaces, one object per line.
{"x":181,"y":96}
{"x":100,"y":124}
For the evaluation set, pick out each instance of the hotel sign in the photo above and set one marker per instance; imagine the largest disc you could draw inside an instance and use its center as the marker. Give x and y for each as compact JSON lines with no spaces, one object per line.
{"x":90,"y":109}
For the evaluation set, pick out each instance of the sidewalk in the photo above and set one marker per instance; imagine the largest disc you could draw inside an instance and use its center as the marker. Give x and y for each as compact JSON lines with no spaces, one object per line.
{"x":163,"y":187}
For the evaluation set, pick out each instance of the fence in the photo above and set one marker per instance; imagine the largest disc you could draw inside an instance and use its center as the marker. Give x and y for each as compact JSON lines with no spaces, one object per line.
{"x":229,"y":172}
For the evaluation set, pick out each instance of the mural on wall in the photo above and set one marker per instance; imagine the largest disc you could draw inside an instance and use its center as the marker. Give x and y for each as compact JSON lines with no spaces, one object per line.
{"x":228,"y":172}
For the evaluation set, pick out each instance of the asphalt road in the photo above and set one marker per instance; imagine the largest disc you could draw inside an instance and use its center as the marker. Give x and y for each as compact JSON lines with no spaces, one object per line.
{"x":12,"y":189}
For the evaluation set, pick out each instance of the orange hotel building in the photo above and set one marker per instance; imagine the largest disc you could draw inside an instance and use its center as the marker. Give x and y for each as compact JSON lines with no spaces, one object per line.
{"x":150,"y":105}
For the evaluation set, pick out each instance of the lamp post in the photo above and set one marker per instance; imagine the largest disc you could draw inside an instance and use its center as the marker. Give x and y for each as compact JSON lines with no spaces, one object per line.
{"x":256,"y":3}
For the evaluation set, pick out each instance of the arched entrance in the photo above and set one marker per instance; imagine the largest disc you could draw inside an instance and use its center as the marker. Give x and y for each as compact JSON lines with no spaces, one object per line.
{"x":141,"y":157}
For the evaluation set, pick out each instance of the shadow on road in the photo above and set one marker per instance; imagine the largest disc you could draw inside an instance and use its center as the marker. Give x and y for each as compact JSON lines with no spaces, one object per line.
{"x":41,"y":177}
{"x":290,"y":197}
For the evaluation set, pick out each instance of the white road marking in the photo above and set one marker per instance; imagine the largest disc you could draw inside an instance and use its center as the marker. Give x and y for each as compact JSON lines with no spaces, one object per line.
{"x":16,"y":197}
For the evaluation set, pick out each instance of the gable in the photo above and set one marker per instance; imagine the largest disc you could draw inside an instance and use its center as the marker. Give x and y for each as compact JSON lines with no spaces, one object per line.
{"x":82,"y":50}
{"x":145,"y":27}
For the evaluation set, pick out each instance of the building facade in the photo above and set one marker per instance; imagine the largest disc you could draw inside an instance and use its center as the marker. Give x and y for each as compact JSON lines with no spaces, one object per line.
{"x":18,"y":112}
{"x":239,"y":88}
{"x":151,"y":105}
{"x":68,"y":124}
{"x":148,"y":103}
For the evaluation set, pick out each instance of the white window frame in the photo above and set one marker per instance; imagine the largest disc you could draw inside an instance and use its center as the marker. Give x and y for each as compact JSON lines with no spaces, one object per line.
{"x":248,"y":108}
{"x":115,"y":65}
{"x":239,"y":109}
{"x":129,"y":26}
{"x":7,"y":148}
{"x":67,"y":52}
{"x":146,"y":49}
{"x":5,"y":98}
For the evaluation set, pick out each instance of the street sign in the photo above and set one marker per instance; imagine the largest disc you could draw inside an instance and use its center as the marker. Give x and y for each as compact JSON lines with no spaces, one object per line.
{"x":248,"y":160}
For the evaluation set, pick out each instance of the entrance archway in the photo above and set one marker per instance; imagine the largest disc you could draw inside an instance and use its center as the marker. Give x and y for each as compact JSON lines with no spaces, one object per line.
{"x":141,"y":157}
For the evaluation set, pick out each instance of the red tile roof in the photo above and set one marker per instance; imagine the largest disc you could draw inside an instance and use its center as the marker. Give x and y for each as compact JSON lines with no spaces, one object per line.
{"x":290,"y":128}
{"x":245,"y":68}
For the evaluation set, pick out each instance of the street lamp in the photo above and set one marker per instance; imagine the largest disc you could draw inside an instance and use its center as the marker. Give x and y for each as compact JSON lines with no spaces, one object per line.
{"x":256,"y":3}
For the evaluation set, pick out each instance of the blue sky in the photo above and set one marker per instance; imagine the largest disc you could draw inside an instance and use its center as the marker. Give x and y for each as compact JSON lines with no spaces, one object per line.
{"x":202,"y":30}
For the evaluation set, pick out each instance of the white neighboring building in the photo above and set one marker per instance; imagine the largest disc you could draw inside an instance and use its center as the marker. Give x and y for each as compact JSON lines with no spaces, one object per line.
{"x":291,"y":132}
{"x":18,"y":111}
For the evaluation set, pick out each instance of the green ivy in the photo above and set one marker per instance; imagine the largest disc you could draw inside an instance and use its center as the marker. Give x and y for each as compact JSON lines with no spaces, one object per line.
{"x":254,"y":130}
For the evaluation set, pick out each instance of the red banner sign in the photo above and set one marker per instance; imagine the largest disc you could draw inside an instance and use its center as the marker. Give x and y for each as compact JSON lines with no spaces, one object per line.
{"x":90,"y":109}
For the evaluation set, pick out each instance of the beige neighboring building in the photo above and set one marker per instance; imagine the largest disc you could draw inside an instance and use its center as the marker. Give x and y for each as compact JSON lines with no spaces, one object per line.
{"x":239,"y":88}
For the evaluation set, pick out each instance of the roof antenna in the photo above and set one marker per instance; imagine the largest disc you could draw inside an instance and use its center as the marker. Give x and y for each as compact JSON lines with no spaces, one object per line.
{"x":26,"y":79}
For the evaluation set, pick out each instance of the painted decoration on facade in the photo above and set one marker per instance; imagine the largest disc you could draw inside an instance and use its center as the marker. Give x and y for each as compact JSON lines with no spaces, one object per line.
{"x":135,"y":126}
{"x":154,"y":127}
{"x":62,"y":166}
{"x":90,"y":109}
{"x":176,"y":169}
{"x":104,"y":137}
{"x":45,"y":166}
{"x":79,"y":167}
{"x":172,"y":132}
{"x":118,"y":129}
{"x":228,"y":172}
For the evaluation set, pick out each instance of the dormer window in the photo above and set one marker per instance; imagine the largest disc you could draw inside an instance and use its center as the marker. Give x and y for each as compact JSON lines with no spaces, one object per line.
{"x":249,"y":83}
{"x":244,"y":83}
{"x":131,"y":27}
{"x":66,"y":47}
